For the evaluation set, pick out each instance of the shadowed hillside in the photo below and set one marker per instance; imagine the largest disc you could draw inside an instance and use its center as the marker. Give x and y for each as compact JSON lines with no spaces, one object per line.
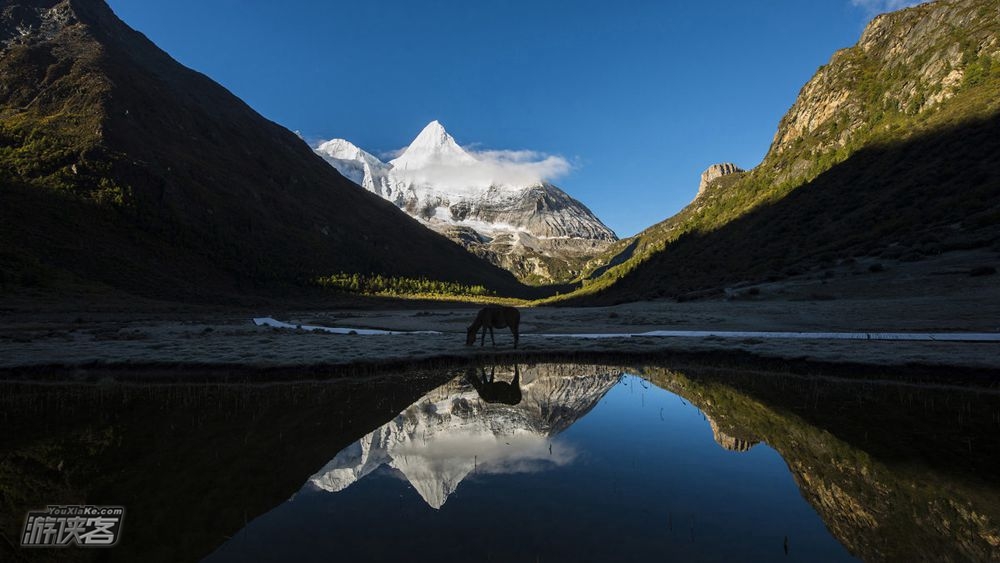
{"x":890,"y":149}
{"x":120,"y":166}
{"x":908,"y":201}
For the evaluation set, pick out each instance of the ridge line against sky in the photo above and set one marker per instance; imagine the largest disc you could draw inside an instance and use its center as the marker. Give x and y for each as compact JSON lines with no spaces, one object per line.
{"x":638,"y":97}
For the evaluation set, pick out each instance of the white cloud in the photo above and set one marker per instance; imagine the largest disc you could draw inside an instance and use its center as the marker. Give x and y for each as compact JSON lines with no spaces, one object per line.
{"x":491,"y":167}
{"x":522,"y":166}
{"x":873,"y":7}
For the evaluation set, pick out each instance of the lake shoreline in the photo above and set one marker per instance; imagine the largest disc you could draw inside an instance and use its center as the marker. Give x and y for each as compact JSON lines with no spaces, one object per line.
{"x":165,"y":341}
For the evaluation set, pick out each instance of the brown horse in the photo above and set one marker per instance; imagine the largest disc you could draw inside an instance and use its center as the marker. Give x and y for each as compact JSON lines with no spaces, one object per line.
{"x":494,"y":316}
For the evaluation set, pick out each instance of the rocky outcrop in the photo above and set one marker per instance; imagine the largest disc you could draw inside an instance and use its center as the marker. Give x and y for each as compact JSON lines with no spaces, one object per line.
{"x":727,"y":441}
{"x":716,"y":171}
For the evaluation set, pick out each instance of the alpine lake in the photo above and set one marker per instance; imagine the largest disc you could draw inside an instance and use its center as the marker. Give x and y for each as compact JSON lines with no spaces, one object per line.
{"x":527,"y":462}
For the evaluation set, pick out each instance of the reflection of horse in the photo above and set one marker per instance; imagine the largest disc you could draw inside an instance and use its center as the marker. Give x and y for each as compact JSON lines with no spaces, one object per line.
{"x":496,"y":391}
{"x":494,"y":316}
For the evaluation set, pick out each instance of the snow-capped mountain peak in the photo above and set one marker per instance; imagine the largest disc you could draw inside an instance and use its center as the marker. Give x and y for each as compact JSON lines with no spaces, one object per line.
{"x":345,"y":150}
{"x":433,"y":146}
{"x":360,"y":166}
{"x":501,"y":209}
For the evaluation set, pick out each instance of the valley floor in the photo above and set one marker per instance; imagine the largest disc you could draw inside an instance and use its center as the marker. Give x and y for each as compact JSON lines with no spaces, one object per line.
{"x":228,"y":338}
{"x":37,"y":338}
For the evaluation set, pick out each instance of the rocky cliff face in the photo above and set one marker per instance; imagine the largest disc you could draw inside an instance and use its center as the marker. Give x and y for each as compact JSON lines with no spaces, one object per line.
{"x":498,"y":211}
{"x":727,"y":441}
{"x":905,"y":64}
{"x":716,"y":171}
{"x":21,"y":23}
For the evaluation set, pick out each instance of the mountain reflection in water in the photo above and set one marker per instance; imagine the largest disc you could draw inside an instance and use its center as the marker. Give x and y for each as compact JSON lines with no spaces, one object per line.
{"x":589,"y":453}
{"x":590,"y":463}
{"x":453,"y":430}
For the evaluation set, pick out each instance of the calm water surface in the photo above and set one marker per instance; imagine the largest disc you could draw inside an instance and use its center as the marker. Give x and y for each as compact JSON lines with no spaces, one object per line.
{"x":544,"y":462}
{"x":599,"y":467}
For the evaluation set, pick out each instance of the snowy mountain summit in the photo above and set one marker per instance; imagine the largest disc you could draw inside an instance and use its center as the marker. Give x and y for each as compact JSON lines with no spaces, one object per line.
{"x":433,"y":146}
{"x":498,"y":204}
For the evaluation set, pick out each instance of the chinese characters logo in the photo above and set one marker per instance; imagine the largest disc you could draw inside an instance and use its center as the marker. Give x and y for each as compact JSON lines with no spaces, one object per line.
{"x":84,"y":526}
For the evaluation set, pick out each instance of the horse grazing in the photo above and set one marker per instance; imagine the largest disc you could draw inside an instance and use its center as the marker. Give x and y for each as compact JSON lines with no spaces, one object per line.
{"x":494,"y":316}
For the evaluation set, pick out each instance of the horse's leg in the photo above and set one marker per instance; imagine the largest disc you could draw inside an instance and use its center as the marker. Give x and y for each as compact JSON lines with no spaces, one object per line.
{"x":494,"y":340}
{"x":483,"y":342}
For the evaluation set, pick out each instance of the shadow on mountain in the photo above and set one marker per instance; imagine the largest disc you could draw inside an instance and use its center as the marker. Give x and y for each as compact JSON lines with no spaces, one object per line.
{"x":122,"y":168}
{"x":920,"y":197}
{"x":619,"y":258}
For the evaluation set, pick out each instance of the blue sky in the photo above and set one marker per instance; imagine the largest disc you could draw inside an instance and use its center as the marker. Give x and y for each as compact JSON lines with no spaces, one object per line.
{"x":639,"y":97}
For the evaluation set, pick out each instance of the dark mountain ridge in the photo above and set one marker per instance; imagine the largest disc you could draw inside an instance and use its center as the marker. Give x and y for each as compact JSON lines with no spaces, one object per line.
{"x":123,"y":167}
